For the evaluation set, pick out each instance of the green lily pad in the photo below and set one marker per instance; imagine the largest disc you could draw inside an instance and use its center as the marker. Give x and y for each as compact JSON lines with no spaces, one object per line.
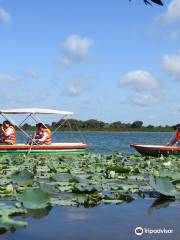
{"x":6,"y":222}
{"x":170,"y":174}
{"x":64,"y":177}
{"x":34,"y":198}
{"x":164,"y":186}
{"x":85,"y":188}
{"x":119,"y":169}
{"x":23,"y":178}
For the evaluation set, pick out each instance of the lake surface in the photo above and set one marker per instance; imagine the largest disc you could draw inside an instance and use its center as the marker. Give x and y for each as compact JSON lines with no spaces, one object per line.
{"x":109,"y":142}
{"x":108,"y":221}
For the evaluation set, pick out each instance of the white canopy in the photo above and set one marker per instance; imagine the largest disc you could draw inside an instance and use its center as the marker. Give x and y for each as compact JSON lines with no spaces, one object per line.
{"x":34,"y":111}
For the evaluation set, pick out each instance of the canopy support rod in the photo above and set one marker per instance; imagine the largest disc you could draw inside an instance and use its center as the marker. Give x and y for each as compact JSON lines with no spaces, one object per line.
{"x":37,"y":119}
{"x":25,"y":119}
{"x":25,"y":133}
{"x":58,"y":127}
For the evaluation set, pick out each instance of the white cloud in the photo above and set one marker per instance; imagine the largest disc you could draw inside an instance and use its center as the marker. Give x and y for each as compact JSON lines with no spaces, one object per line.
{"x":78,"y":46}
{"x":171,"y":64}
{"x":5,"y":16}
{"x":6,"y":78}
{"x":75,"y":50}
{"x":139,"y":80}
{"x":145,"y":99}
{"x":173,"y":13}
{"x":76,"y":88}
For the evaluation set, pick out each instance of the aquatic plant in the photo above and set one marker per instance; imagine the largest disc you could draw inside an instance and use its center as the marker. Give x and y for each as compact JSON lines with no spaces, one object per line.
{"x":32,"y":183}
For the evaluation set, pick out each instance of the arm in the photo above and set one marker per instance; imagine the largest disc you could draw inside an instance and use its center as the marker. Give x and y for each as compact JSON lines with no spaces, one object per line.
{"x":8,"y":133}
{"x":43,"y":138}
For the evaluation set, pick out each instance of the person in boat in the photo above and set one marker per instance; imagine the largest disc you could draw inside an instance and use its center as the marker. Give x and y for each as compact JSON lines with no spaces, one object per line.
{"x":42,"y":135}
{"x":7,"y":133}
{"x":175,"y":141}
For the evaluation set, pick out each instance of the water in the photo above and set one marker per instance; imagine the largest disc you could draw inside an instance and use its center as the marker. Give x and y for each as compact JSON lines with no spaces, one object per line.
{"x":104,"y":222}
{"x":109,"y":142}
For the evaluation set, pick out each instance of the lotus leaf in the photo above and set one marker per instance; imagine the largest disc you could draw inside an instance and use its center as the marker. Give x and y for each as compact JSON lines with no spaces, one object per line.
{"x":23,"y":178}
{"x":164,"y":186}
{"x":34,"y":198}
{"x":85,"y":188}
{"x":64,"y":177}
{"x":170,"y":174}
{"x":118,"y":169}
{"x":7,"y":223}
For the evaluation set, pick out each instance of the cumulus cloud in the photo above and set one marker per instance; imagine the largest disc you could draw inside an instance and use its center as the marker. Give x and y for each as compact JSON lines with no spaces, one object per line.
{"x":171,"y":64}
{"x":5,"y":16}
{"x":139,"y":80}
{"x":172,"y":14}
{"x":75,"y":50}
{"x":6,"y":78}
{"x":76,"y":88}
{"x":145,"y":99}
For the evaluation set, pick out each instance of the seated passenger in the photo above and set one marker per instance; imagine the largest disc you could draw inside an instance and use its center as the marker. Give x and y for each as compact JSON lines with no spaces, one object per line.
{"x":43,"y":135}
{"x":1,"y":134}
{"x":7,"y":133}
{"x":175,"y":141}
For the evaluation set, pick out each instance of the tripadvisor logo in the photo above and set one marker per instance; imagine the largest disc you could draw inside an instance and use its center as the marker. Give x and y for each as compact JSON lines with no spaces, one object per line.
{"x":138,"y":231}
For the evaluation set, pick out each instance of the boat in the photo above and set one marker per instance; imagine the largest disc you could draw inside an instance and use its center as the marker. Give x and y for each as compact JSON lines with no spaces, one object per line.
{"x":156,"y":150}
{"x":33,"y":148}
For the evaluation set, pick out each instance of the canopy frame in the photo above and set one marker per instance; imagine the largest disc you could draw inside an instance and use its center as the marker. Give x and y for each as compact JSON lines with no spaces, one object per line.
{"x":33,"y":114}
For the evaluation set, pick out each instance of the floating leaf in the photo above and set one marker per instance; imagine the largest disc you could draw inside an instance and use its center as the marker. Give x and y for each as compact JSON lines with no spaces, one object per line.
{"x":164,"y":186}
{"x":34,"y":198}
{"x":85,"y":188}
{"x":23,"y":178}
{"x":8,"y":223}
{"x":119,"y":169}
{"x":170,"y":174}
{"x":64,"y":177}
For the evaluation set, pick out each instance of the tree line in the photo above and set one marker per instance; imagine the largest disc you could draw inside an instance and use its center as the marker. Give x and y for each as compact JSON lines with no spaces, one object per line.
{"x":96,"y":125}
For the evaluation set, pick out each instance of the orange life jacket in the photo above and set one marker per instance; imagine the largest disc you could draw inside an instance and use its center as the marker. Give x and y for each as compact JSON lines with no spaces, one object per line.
{"x":48,"y":139}
{"x":177,"y":136}
{"x":11,"y":138}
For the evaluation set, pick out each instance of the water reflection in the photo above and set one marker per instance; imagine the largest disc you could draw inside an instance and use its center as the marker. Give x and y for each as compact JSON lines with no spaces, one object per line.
{"x":159,"y":203}
{"x":77,"y":214}
{"x":37,"y":213}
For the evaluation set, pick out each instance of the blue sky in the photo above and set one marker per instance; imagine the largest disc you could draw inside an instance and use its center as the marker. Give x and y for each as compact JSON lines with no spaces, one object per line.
{"x":108,"y":60}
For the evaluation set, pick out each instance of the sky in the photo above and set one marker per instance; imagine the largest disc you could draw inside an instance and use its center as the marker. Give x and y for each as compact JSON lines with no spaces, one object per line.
{"x":105,"y":60}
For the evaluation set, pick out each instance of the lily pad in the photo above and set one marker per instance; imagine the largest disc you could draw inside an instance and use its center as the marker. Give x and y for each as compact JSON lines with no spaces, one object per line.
{"x":34,"y":198}
{"x":6,"y":222}
{"x":85,"y":188}
{"x":64,"y":177}
{"x":23,"y":178}
{"x":164,"y":186}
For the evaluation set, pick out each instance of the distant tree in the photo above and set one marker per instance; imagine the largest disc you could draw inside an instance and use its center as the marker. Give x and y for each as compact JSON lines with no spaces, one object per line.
{"x":150,"y":126}
{"x":26,"y":126}
{"x":137,"y":124}
{"x":159,"y":2}
{"x":116,"y":125}
{"x":92,"y":123}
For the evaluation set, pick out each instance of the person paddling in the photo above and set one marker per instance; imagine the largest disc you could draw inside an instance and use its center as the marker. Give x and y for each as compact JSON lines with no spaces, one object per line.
{"x":43,"y":135}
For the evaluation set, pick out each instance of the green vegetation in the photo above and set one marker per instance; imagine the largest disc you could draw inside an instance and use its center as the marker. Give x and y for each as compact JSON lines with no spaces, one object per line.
{"x":31,"y":185}
{"x":95,"y":125}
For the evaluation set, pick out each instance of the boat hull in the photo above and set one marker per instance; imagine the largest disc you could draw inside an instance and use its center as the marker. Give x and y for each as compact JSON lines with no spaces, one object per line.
{"x":156,"y":151}
{"x":57,"y":148}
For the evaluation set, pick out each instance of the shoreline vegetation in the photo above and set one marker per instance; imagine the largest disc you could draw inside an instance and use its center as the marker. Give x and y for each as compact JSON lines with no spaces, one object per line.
{"x":95,"y":125}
